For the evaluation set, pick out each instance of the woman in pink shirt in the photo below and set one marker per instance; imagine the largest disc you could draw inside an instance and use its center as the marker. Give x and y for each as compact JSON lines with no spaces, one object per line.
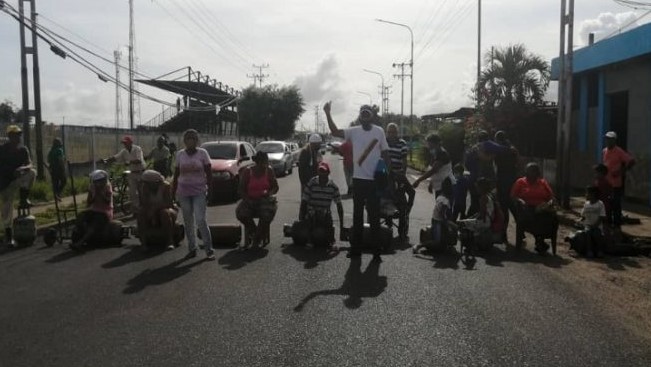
{"x":100,"y":209}
{"x":191,"y":179}
{"x":618,"y":161}
{"x":257,"y":187}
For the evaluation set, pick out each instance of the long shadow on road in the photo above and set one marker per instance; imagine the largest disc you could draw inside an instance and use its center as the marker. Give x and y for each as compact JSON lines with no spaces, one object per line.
{"x":356,"y":286}
{"x":237,"y":259}
{"x":136,"y":253}
{"x":159,"y":276}
{"x":311,"y":257}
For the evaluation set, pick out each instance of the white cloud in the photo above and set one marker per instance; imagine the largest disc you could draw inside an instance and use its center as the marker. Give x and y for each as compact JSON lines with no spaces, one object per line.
{"x":605,"y":24}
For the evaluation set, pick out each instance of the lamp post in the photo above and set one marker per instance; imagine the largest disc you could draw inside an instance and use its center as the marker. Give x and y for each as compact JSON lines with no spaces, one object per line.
{"x":370,"y":98}
{"x":411,"y":64}
{"x":381,"y":94}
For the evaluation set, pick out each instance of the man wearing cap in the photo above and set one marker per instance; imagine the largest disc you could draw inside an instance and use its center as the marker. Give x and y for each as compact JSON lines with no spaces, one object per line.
{"x":16,"y":173}
{"x":308,"y":161}
{"x":132,"y":157}
{"x":369,"y":147}
{"x":318,"y":195}
{"x":618,"y":161}
{"x":160,"y":156}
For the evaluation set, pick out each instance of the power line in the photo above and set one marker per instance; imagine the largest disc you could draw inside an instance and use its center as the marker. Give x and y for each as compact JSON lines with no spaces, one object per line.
{"x":259,"y":76}
{"x":446,"y":29}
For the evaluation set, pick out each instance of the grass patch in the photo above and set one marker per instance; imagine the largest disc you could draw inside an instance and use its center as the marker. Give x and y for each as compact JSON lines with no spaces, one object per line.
{"x":42,"y":190}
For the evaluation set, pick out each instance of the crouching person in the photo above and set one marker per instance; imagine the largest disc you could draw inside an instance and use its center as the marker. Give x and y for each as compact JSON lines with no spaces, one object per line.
{"x":591,"y":240}
{"x":258,"y":186}
{"x":443,"y":230}
{"x":318,"y":195}
{"x":92,"y":222}
{"x":16,"y":175}
{"x":157,"y":217}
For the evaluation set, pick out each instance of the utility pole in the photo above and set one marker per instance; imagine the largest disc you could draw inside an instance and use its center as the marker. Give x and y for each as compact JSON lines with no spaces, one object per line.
{"x":401,"y":76}
{"x":259,"y":76}
{"x":316,"y":118}
{"x":564,"y":121}
{"x":27,"y":112}
{"x":131,"y":51}
{"x":387,"y":91}
{"x":478,"y":51}
{"x":118,"y":105}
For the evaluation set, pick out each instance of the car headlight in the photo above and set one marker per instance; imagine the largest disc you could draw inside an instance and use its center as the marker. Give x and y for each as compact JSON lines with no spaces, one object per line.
{"x":221,"y":175}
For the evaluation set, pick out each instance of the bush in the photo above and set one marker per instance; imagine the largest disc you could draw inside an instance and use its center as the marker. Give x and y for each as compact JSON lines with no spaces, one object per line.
{"x":41,"y":191}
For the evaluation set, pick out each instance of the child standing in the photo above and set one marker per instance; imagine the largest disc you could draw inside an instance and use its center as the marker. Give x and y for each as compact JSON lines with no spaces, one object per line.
{"x":460,"y":193}
{"x":592,"y":216}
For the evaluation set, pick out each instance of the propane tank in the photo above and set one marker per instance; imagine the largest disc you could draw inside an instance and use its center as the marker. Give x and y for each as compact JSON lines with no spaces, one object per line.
{"x":24,"y":228}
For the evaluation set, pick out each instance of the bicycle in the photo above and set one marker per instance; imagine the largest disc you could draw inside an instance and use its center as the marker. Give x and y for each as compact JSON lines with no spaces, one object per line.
{"x":120,"y":186}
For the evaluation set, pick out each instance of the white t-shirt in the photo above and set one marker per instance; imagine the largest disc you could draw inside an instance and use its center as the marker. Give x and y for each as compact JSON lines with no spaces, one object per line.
{"x":125,"y":157}
{"x":441,"y":205}
{"x":362,"y":141}
{"x":592,"y":212}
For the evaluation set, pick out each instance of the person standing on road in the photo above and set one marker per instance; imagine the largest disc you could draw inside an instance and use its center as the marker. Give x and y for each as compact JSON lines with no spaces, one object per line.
{"x":308,"y":161}
{"x":56,"y":160}
{"x":191,"y":181}
{"x":618,"y":161}
{"x":132,"y":157}
{"x":398,"y":151}
{"x":160,"y":156}
{"x":369,"y":147}
{"x":16,"y":174}
{"x":506,"y":163}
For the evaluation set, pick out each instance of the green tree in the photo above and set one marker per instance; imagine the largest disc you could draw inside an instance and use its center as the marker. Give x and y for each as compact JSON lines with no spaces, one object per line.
{"x":270,"y":112}
{"x":513,"y":77}
{"x":7,"y":112}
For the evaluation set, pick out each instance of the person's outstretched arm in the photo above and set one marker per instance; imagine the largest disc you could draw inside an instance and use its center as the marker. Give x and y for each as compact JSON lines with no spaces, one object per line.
{"x":334,"y":130}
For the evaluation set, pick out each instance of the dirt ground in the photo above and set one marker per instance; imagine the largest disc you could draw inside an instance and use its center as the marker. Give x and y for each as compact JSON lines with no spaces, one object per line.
{"x":620,"y":285}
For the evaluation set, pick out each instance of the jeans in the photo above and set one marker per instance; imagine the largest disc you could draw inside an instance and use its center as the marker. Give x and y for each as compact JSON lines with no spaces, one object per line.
{"x":194,"y":209}
{"x":616,"y":206}
{"x":58,"y":182}
{"x":365,"y":195}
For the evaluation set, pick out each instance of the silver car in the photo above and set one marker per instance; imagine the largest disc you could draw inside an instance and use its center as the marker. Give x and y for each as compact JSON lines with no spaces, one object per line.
{"x":280,"y":156}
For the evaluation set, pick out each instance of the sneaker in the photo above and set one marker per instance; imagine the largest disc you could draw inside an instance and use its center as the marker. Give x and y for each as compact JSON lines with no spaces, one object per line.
{"x":191,"y":254}
{"x":210,"y":256}
{"x":171,"y":247}
{"x":414,"y":249}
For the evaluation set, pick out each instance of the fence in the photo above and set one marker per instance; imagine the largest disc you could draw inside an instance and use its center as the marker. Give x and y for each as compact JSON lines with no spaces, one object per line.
{"x":86,"y":144}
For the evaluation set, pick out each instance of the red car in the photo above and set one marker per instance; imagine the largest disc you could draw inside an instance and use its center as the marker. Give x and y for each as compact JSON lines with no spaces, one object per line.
{"x":227,"y":158}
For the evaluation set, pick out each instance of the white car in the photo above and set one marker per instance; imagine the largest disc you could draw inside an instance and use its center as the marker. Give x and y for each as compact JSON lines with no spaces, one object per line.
{"x":280,"y":156}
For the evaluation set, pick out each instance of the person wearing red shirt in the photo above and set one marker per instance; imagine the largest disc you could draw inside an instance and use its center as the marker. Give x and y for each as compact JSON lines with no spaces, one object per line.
{"x":617,"y":160}
{"x":532,"y":198}
{"x":605,"y":189}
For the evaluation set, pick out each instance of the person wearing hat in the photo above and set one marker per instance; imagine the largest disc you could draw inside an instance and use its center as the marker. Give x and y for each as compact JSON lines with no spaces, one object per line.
{"x":100,"y":209}
{"x":132,"y":157}
{"x":318,"y":195}
{"x":160,"y":156}
{"x":56,"y":160}
{"x":369,"y":148}
{"x":157,"y":206}
{"x":618,"y":161}
{"x":16,"y":174}
{"x":257,"y":188}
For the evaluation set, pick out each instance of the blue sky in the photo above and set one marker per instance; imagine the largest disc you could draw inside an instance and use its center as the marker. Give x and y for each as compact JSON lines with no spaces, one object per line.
{"x":320,"y":46}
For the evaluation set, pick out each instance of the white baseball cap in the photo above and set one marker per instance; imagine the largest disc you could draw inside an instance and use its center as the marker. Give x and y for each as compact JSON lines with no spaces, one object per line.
{"x":98,"y":175}
{"x":315,"y":138}
{"x":611,"y":134}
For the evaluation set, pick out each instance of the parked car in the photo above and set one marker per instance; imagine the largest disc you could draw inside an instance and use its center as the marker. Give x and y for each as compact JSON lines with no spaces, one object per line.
{"x":280,"y":156}
{"x":226,"y":159}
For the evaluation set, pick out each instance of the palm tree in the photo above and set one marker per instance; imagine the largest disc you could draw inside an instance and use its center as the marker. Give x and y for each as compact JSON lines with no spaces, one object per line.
{"x":514,"y":77}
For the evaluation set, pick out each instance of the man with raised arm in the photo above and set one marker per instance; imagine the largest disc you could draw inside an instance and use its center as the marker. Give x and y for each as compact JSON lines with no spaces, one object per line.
{"x":369,"y":147}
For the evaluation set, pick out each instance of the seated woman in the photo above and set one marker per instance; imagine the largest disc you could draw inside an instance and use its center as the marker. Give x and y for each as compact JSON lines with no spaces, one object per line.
{"x":157,"y":216}
{"x":91,"y":223}
{"x":257,"y":186}
{"x":443,"y":230}
{"x":533,"y":208}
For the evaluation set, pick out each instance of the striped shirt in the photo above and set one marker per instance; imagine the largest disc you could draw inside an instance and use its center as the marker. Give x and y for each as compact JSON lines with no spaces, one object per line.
{"x":398,"y":150}
{"x":321,"y":197}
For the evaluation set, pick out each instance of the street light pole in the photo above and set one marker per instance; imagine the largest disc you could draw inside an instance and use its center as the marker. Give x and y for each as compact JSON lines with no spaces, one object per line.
{"x":382,"y":94}
{"x":411,"y":64}
{"x":370,"y":98}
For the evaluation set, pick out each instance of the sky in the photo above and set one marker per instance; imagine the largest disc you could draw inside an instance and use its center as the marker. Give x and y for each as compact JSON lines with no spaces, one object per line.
{"x":322,"y":47}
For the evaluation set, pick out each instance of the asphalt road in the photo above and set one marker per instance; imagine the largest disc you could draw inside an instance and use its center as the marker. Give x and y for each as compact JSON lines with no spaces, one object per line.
{"x":287,"y":306}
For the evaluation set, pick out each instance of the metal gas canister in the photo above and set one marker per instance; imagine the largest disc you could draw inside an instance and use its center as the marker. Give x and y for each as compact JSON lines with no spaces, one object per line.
{"x":24,"y":227}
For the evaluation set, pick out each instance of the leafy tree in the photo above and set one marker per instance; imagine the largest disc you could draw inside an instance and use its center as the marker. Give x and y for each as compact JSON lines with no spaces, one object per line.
{"x":513,"y":77}
{"x":7,"y":112}
{"x":270,"y":112}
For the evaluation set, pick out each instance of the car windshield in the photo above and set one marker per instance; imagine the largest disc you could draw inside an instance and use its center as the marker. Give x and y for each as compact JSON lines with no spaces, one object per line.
{"x":270,"y":148}
{"x":221,"y":151}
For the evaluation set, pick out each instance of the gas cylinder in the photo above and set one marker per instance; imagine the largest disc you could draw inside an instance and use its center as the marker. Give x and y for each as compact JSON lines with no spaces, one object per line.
{"x":24,"y":228}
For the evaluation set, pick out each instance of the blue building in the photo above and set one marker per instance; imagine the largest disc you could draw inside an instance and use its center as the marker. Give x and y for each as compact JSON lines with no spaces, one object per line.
{"x":612,"y":91}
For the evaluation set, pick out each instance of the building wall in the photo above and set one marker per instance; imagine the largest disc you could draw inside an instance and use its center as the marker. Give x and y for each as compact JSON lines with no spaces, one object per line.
{"x":593,"y":122}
